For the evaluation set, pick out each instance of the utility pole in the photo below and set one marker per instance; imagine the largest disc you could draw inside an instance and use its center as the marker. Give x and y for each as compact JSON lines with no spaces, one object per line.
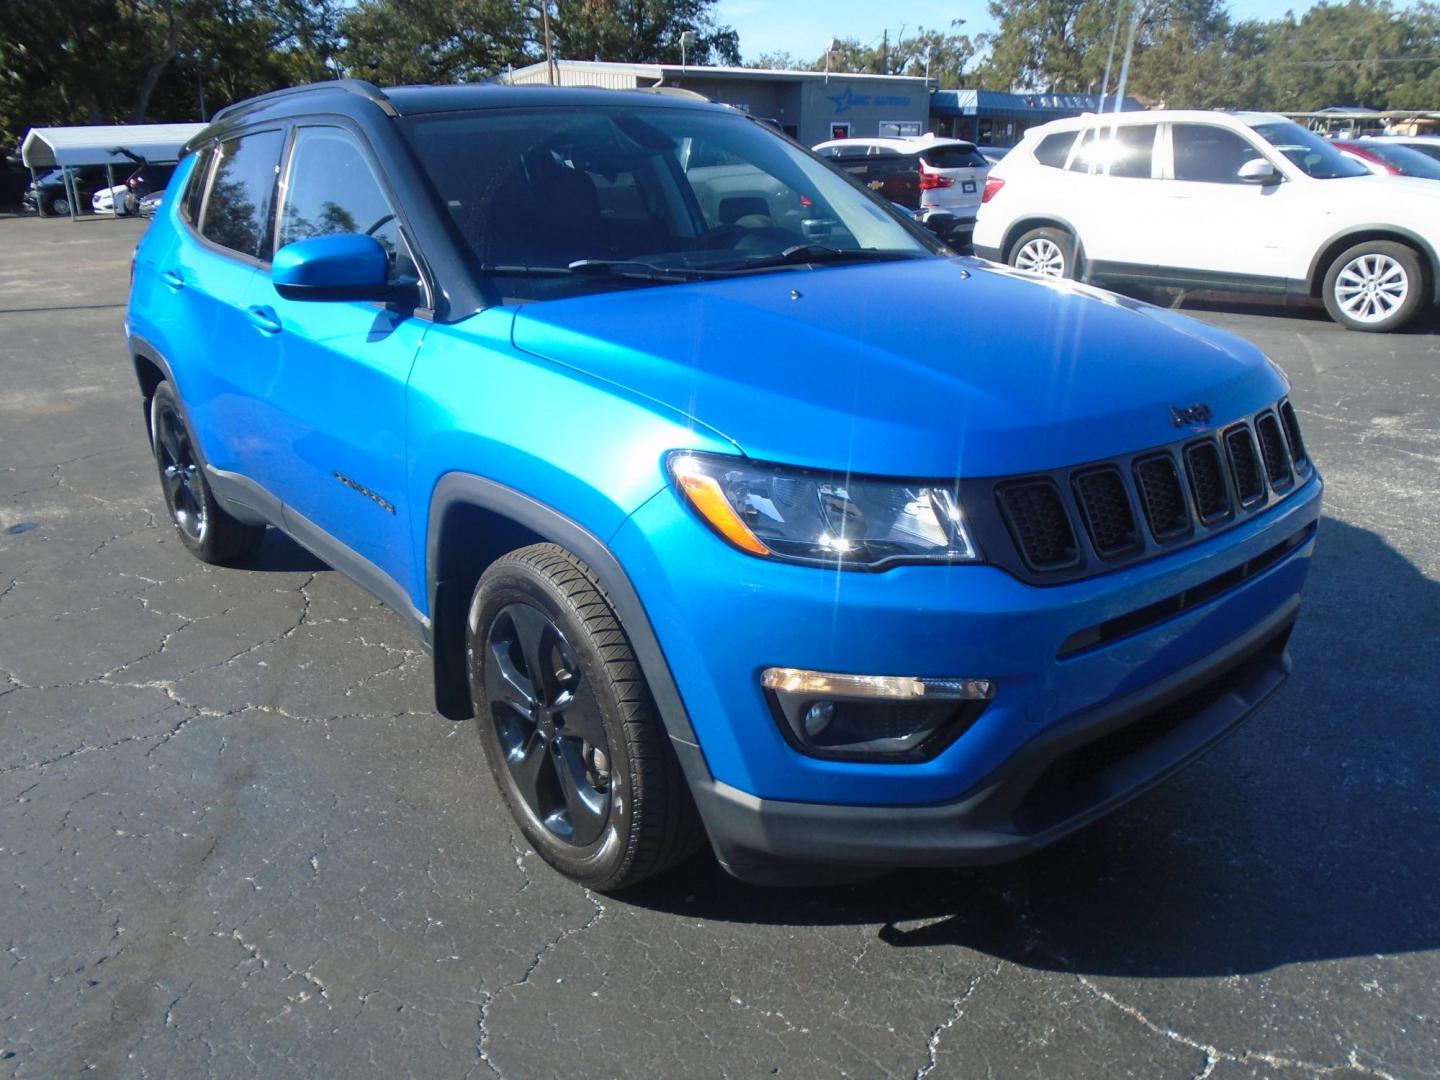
{"x":549,"y":52}
{"x":884,"y":52}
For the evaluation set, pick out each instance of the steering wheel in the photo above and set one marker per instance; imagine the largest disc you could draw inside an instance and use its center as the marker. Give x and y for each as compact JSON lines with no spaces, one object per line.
{"x":739,"y":238}
{"x":383,"y":221}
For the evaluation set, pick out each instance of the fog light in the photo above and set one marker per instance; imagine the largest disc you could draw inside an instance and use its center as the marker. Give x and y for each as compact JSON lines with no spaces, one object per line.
{"x":818,"y":718}
{"x":873,"y":717}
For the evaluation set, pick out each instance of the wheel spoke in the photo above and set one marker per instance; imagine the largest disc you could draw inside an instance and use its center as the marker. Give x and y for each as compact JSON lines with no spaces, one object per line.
{"x":579,"y":714}
{"x":586,"y":807}
{"x":169,"y":439}
{"x":533,"y":771}
{"x":532,"y":629}
{"x":174,"y":482}
{"x":504,"y":683}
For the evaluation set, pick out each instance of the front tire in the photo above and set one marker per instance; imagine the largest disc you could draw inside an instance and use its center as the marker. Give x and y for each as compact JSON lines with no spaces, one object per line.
{"x":208,"y":532}
{"x":60,"y":207}
{"x":1376,"y":286}
{"x":1047,"y":252}
{"x":569,"y":727}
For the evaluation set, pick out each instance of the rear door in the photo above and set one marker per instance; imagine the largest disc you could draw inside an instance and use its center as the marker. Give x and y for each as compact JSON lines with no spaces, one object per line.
{"x":1115,"y":202}
{"x":220,"y":356}
{"x":333,"y":403}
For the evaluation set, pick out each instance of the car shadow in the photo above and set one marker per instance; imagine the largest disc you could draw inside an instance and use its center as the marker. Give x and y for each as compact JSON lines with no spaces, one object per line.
{"x":1305,"y":310}
{"x":1313,"y":833}
{"x":279,"y":553}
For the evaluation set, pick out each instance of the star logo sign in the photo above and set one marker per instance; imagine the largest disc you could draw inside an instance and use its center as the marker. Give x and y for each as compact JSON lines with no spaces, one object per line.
{"x":848,"y":100}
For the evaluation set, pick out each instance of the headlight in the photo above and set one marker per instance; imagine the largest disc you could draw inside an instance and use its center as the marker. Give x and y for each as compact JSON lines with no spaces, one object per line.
{"x":826,"y":519}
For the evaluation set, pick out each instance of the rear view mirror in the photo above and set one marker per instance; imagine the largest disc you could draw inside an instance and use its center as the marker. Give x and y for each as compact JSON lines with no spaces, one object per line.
{"x":345,"y":267}
{"x":1257,"y":171}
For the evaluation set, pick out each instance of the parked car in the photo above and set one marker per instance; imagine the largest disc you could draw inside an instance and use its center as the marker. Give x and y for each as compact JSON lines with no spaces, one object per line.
{"x":1201,"y":199}
{"x":1391,"y":159}
{"x":852,"y":555}
{"x":927,"y":172}
{"x":993,"y":154}
{"x":111,"y":200}
{"x":1429,"y":145}
{"x":149,"y":177}
{"x":49,"y":190}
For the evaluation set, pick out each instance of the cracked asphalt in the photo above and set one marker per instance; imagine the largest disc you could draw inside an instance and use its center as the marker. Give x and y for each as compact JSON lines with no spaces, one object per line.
{"x":236,"y":841}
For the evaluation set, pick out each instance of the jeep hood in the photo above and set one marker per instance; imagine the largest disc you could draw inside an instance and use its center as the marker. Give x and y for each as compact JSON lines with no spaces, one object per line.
{"x":927,"y":368}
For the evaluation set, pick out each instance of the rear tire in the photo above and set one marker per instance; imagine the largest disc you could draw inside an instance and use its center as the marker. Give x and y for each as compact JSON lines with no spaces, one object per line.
{"x":1376,"y":286}
{"x":570,"y":729}
{"x":60,"y":207}
{"x":208,"y":532}
{"x":1047,"y":252}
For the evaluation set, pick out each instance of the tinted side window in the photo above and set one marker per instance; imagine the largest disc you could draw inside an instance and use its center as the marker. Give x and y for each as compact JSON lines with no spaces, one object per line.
{"x":1126,"y":150}
{"x":331,"y":189}
{"x":1209,"y":154}
{"x":237,"y":212}
{"x":1054,"y":149}
{"x":195,"y":188}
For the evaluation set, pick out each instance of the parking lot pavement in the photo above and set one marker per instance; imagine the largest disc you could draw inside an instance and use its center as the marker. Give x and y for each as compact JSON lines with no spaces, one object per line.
{"x":235,"y":839}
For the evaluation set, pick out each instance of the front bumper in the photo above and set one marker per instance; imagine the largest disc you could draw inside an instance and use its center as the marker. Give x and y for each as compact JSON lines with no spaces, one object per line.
{"x":721,"y":617}
{"x":1073,"y":774}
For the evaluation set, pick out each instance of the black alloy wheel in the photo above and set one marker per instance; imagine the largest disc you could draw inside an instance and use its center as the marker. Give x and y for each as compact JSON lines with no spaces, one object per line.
{"x":548,"y":724}
{"x":207,"y":529}
{"x":180,"y":473}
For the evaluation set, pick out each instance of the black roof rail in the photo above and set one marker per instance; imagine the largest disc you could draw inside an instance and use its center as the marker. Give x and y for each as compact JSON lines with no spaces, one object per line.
{"x":359,"y":87}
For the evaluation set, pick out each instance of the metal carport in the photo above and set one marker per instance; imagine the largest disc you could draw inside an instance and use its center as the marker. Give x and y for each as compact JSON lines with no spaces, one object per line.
{"x":70,"y":147}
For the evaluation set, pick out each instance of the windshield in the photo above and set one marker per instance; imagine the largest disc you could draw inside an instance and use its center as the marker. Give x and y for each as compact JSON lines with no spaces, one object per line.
{"x":552,"y":203}
{"x":1308,"y":151}
{"x":1409,"y":162}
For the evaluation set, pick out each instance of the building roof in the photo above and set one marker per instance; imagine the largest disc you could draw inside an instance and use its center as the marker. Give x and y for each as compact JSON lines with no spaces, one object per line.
{"x":998,"y":103}
{"x":705,"y":71}
{"x":48,"y":147}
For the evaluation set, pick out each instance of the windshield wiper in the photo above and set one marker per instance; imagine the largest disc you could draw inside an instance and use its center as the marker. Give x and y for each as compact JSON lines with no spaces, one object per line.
{"x":620,"y":268}
{"x":821,"y":254}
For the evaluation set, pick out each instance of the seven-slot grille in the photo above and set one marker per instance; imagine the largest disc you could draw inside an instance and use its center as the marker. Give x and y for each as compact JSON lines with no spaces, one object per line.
{"x":1159,"y":498}
{"x":1039,"y":523}
{"x":1105,"y":507}
{"x":1163,"y":496}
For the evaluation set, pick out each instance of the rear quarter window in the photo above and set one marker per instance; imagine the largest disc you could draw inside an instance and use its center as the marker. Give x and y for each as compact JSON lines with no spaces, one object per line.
{"x":1054,"y":149}
{"x":195,"y":186}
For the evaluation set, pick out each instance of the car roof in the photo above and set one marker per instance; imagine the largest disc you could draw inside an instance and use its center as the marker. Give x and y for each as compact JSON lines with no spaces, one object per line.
{"x":1154,"y":116}
{"x":355,"y":97}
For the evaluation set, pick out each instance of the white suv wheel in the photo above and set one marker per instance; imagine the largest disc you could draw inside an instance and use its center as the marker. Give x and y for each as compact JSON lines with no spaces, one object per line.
{"x":1046,"y":252}
{"x":1377,"y":285}
{"x":1371,"y":288}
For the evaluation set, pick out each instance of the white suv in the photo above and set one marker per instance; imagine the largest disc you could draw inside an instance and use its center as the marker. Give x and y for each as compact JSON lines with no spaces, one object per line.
{"x":1247,"y":201}
{"x":950,"y":174}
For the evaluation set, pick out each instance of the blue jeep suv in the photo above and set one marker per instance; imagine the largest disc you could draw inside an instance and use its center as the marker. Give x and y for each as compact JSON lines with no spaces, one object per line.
{"x":730,"y":503}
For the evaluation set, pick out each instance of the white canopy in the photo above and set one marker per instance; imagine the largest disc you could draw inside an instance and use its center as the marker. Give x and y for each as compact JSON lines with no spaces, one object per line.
{"x":47,"y":148}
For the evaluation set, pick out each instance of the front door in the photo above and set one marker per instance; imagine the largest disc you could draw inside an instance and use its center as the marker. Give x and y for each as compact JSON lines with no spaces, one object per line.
{"x":1222,"y":225}
{"x":342,"y":366}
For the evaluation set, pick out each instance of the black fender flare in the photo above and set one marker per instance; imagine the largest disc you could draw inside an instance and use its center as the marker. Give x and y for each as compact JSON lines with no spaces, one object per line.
{"x":448,"y":610}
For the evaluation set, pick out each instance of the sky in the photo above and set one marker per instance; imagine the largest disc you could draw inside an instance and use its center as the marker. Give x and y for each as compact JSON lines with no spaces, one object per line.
{"x":803,"y":29}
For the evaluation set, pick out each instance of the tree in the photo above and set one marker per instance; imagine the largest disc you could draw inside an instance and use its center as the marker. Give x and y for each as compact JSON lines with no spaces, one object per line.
{"x":433,"y":41}
{"x":641,"y":31}
{"x":950,"y":53}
